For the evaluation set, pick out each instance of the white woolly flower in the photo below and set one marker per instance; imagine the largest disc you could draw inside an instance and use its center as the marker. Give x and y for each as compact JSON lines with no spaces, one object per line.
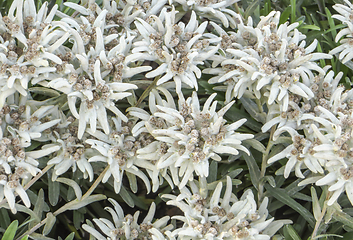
{"x":127,"y":227}
{"x":300,"y":154}
{"x":28,"y":124}
{"x":33,"y":45}
{"x":346,"y":44}
{"x":217,"y":10}
{"x":16,"y":164}
{"x":339,"y":179}
{"x":72,"y":153}
{"x":118,"y":150}
{"x":192,"y":135}
{"x":276,"y":66}
{"x":98,"y":82}
{"x":176,"y":47}
{"x":227,"y":217}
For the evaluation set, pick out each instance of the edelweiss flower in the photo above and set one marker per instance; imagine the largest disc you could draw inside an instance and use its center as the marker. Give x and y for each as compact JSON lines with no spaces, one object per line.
{"x":118,"y":150}
{"x":192,"y":136}
{"x":274,"y":65}
{"x":29,"y":42}
{"x":98,"y":82}
{"x":126,"y":227}
{"x":211,"y":9}
{"x":27,"y":125}
{"x":73,"y":152}
{"x":178,"y":48}
{"x":300,"y":154}
{"x":16,"y":164}
{"x":219,"y":218}
{"x":346,"y":17}
{"x":339,"y":179}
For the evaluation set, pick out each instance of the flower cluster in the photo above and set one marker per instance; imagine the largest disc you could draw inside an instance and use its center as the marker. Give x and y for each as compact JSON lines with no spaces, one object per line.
{"x":212,"y":217}
{"x":127,"y":227}
{"x":73,"y":89}
{"x":346,"y":17}
{"x":190,"y":136}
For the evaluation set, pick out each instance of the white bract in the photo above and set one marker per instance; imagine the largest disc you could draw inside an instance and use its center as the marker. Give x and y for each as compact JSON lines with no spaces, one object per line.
{"x":127,"y":226}
{"x":215,"y":217}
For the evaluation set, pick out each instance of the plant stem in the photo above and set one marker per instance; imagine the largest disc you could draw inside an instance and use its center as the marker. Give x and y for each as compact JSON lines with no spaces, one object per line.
{"x":264,"y":164}
{"x":67,"y":205}
{"x":147,"y":91}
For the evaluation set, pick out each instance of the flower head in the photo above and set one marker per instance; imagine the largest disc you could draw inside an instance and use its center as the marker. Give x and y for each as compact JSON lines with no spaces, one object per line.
{"x":215,"y":217}
{"x":192,"y":136}
{"x":127,"y":227}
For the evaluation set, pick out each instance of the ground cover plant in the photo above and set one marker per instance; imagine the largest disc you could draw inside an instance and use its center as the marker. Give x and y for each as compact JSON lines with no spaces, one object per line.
{"x":176,"y":119}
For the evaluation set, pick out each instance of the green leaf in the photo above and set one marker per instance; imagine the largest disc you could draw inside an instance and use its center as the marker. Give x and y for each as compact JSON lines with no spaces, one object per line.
{"x":51,"y":219}
{"x":212,"y":176}
{"x":78,"y":218}
{"x":4,"y":218}
{"x":70,"y":236}
{"x":331,"y":22}
{"x":38,"y":236}
{"x":255,"y":144}
{"x":291,"y":232}
{"x":282,"y":196}
{"x":53,"y":190}
{"x":25,"y":238}
{"x":132,"y":181}
{"x":285,"y":15}
{"x":343,"y":218}
{"x":316,"y":204}
{"x":72,"y":184}
{"x":77,"y":204}
{"x":126,"y":197}
{"x":234,"y":173}
{"x":293,"y":9}
{"x":348,"y":236}
{"x":10,"y":231}
{"x":310,"y":27}
{"x":38,"y":208}
{"x":270,"y":179}
{"x":251,"y":8}
{"x":253,"y":170}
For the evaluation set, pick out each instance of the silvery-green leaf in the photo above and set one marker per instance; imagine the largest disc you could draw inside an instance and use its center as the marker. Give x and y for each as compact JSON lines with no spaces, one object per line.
{"x":38,"y":207}
{"x":316,"y":204}
{"x":53,"y":190}
{"x":255,"y":144}
{"x":72,"y":184}
{"x":343,"y":218}
{"x":212,"y":175}
{"x":291,"y":232}
{"x":282,"y":196}
{"x":124,"y":194}
{"x":51,"y":219}
{"x":44,"y":91}
{"x":253,"y":170}
{"x":38,"y":236}
{"x":132,"y":181}
{"x":77,"y":204}
{"x":70,"y":236}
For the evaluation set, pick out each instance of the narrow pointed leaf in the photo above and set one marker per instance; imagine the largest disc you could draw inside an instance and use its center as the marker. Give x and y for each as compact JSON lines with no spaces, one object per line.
{"x":282,"y":196}
{"x":10,"y":231}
